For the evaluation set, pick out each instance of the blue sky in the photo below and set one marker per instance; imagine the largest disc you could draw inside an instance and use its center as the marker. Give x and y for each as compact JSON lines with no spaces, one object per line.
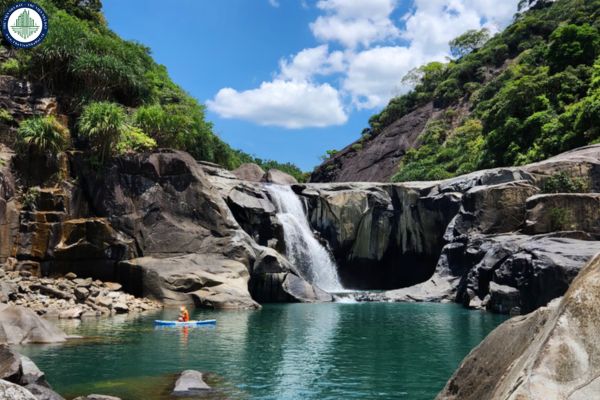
{"x":290,"y":79}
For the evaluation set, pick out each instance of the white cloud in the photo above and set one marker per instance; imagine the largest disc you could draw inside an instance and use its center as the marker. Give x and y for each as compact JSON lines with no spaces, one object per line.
{"x":370,"y":76}
{"x":288,"y":104}
{"x":374,"y":75}
{"x":354,"y":22}
{"x":310,"y":62}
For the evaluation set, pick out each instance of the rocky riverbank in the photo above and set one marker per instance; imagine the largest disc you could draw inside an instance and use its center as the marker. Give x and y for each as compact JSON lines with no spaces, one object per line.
{"x":69,"y":297}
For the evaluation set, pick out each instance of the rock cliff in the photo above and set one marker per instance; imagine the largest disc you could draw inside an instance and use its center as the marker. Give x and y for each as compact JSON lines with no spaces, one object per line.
{"x":550,"y":354}
{"x":171,"y":228}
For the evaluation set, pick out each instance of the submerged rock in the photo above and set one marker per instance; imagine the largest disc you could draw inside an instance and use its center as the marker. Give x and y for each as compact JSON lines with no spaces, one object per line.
{"x":190,"y":383}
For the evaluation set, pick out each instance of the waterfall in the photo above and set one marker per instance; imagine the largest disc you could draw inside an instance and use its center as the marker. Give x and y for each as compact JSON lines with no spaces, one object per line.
{"x":303,"y":250}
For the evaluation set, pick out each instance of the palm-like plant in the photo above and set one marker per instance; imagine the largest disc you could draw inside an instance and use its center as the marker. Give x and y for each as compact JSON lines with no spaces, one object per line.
{"x":43,"y":135}
{"x":102,"y":123}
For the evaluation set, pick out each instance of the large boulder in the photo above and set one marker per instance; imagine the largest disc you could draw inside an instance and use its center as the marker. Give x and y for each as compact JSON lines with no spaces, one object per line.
{"x":10,"y":364}
{"x":564,"y":212}
{"x":519,"y":271}
{"x":249,"y":172}
{"x":19,"y":325}
{"x":274,"y":279}
{"x":279,"y":177}
{"x":10,"y":391}
{"x":164,"y":201}
{"x":493,"y":208}
{"x":205,"y":280}
{"x":256,"y":214}
{"x":550,"y":354}
{"x":43,"y":392}
{"x":31,"y":374}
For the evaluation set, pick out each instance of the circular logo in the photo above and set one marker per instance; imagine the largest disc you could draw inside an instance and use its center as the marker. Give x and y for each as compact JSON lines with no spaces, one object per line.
{"x":24,"y":24}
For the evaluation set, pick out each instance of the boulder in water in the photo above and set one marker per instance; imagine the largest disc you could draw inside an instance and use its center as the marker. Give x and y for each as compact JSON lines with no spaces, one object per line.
{"x":205,"y":280}
{"x":97,"y":397}
{"x":19,"y":325}
{"x":10,"y":364}
{"x":31,"y":374}
{"x":303,"y":291}
{"x":190,"y":383}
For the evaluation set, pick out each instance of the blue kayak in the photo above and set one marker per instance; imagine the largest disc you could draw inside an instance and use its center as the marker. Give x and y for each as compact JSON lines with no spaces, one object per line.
{"x":188,"y":323}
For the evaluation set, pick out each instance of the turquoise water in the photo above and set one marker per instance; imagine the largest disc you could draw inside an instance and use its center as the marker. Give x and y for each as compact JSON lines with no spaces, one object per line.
{"x":294,"y":351}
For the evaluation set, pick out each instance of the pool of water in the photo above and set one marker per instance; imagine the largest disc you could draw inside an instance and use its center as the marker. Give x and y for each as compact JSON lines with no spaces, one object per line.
{"x":292,"y":351}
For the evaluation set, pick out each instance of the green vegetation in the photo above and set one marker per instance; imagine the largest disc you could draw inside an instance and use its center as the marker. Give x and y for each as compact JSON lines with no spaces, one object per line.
{"x":5,"y":116}
{"x":85,"y":64}
{"x":562,"y":182}
{"x":329,"y":154}
{"x":134,"y":139}
{"x":467,"y":42}
{"x":102,"y":124}
{"x":528,"y":93}
{"x":42,"y":135}
{"x":30,"y":197}
{"x":559,"y":219}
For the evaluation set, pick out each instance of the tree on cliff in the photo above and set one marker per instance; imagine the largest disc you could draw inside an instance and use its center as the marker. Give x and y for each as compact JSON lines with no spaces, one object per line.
{"x":467,"y":42}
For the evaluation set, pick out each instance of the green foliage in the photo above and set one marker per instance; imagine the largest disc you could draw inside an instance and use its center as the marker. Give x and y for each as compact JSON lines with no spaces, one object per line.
{"x":11,"y":67}
{"x":29,"y":198}
{"x":357,"y":146}
{"x":89,"y":62}
{"x":42,"y":135}
{"x":559,"y":219}
{"x":329,"y":154}
{"x":444,"y":153}
{"x":88,"y":67}
{"x":102,"y":124}
{"x":562,"y":182}
{"x":5,"y":116}
{"x":134,"y":139}
{"x":573,"y":45}
{"x":535,"y":88}
{"x":467,"y":42}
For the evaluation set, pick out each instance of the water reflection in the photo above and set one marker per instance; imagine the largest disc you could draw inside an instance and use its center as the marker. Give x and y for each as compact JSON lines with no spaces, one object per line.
{"x":298,"y":351}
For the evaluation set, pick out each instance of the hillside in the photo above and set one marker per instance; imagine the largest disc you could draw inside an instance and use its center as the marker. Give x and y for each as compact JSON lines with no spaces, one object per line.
{"x":528,"y":93}
{"x":88,"y":73}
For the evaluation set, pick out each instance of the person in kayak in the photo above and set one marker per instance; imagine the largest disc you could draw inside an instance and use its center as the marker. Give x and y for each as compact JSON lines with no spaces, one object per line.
{"x":184,"y":315}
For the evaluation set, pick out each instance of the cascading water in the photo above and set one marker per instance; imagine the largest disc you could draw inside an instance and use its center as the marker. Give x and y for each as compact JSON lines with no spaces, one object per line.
{"x":303,"y":250}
